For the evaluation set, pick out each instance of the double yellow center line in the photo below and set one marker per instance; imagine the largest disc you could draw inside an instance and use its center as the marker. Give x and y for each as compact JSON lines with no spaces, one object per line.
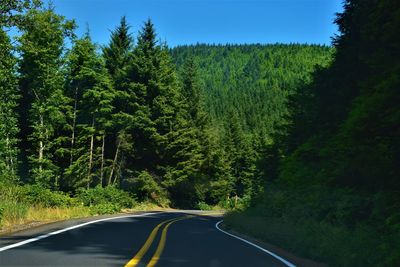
{"x":136,"y":259}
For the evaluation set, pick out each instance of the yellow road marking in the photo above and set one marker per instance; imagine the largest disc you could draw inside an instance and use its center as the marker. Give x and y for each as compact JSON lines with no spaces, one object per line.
{"x":161,"y":244}
{"x":135,"y":260}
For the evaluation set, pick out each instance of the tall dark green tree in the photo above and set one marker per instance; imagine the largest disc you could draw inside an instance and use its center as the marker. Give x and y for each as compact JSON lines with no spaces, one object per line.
{"x":187,"y":176}
{"x":117,"y":57}
{"x":9,"y":95}
{"x":11,"y":15}
{"x":43,"y":105}
{"x":242,"y":158}
{"x":156,"y":102}
{"x":117,"y":53}
{"x":90,"y":88}
{"x":154,"y":84}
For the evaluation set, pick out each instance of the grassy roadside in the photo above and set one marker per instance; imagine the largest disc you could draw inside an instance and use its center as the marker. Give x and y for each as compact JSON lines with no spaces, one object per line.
{"x":26,"y":206}
{"x":36,"y":215}
{"x":274,"y":234}
{"x":320,"y":241}
{"x":21,"y":219}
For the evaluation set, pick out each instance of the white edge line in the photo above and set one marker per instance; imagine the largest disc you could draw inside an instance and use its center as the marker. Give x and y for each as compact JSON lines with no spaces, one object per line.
{"x":68,"y":229}
{"x":254,"y":245}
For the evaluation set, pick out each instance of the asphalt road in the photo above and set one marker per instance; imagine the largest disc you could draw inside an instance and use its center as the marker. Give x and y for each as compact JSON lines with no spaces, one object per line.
{"x":157,"y":239}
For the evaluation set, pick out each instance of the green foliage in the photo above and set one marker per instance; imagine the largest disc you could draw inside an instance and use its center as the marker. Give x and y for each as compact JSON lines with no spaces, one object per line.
{"x":203,"y":206}
{"x":12,"y":205}
{"x":116,"y":54}
{"x":90,"y":123}
{"x":43,"y":104}
{"x":232,"y":83}
{"x":128,"y":119}
{"x":338,"y":174}
{"x":145,"y":186}
{"x":9,"y":96}
{"x":106,"y":198}
{"x":243,"y":77}
{"x":12,"y":11}
{"x":37,"y":195}
{"x":295,"y":218}
{"x":14,"y":211}
{"x":105,"y":208}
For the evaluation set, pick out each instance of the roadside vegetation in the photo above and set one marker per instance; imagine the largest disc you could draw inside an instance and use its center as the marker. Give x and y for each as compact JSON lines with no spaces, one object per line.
{"x":24,"y":204}
{"x":335,"y":193}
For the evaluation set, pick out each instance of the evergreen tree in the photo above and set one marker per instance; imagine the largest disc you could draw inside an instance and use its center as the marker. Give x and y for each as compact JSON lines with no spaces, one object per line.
{"x":118,"y":51}
{"x":90,"y":88}
{"x":154,"y":89}
{"x":9,"y":96}
{"x":117,"y":57}
{"x":186,"y":177}
{"x":43,"y":105}
{"x":242,"y":157}
{"x":12,"y":11}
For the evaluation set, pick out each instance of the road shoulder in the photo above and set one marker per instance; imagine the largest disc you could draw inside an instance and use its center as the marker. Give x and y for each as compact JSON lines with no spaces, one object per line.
{"x":298,"y":261}
{"x":41,"y":228}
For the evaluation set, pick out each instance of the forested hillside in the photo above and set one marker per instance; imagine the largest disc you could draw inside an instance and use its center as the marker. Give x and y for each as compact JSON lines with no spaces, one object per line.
{"x":253,"y":81}
{"x":76,"y":116}
{"x":336,"y":196}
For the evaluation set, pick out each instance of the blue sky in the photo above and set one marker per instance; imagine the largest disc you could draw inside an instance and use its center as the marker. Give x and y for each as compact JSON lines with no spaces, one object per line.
{"x":210,"y":21}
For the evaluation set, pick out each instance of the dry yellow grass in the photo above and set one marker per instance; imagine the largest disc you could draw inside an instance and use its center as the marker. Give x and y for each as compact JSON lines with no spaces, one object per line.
{"x":57,"y":213}
{"x":37,"y":214}
{"x":19,"y":216}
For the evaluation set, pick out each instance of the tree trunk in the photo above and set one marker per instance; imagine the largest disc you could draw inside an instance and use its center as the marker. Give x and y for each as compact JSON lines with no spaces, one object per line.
{"x":41,"y":145}
{"x":90,"y":156}
{"x":9,"y":157}
{"x":73,"y":127}
{"x":114,"y":163}
{"x":115,"y":177}
{"x":102,"y":159}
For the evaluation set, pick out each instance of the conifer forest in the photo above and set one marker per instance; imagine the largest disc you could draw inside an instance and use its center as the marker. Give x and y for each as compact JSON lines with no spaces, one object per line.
{"x":299,"y":137}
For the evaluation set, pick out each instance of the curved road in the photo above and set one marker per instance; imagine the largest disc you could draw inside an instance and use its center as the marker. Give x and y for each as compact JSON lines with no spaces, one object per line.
{"x":151,"y":239}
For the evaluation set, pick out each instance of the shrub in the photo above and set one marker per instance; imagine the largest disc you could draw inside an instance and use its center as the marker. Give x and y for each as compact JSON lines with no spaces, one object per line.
{"x":204,"y":206}
{"x":37,"y":195}
{"x":104,"y":208}
{"x":13,"y":212}
{"x":146,"y":188}
{"x":329,"y":225}
{"x":11,"y":192}
{"x":105,"y":196}
{"x":236,"y":203}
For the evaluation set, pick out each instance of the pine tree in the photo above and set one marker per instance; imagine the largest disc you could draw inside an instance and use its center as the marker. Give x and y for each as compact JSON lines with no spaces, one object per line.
{"x":117,"y":53}
{"x":90,"y":88}
{"x":154,"y":85}
{"x":218,"y":168}
{"x":188,"y":175}
{"x":155,"y":102}
{"x":117,"y":57}
{"x":241,"y":155}
{"x":9,"y":96}
{"x":43,"y":105}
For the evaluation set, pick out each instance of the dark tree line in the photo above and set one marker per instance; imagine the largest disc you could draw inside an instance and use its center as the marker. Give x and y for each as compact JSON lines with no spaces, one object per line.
{"x":337,"y":178}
